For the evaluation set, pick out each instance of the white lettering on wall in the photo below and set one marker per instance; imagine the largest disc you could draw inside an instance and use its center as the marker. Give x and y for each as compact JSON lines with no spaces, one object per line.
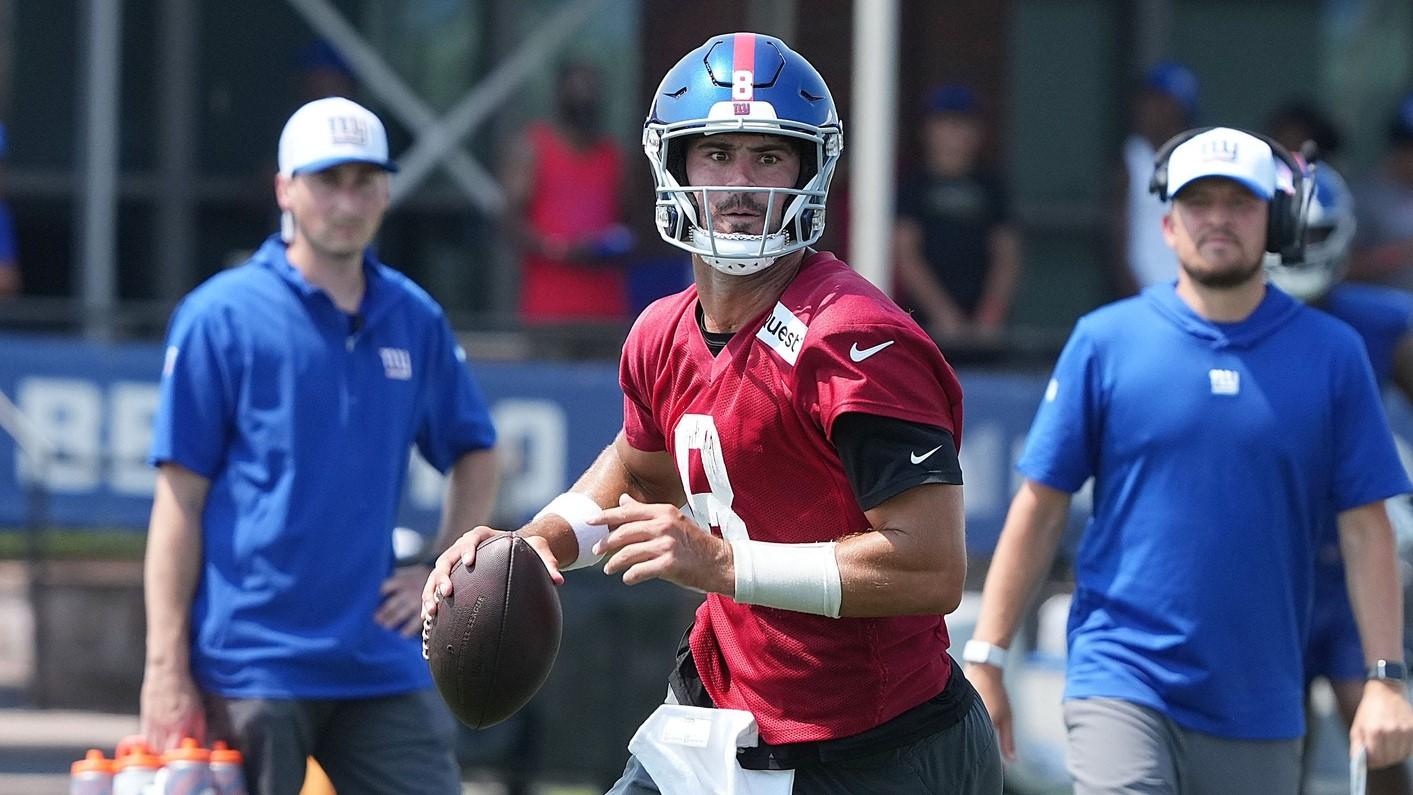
{"x":68,"y":414}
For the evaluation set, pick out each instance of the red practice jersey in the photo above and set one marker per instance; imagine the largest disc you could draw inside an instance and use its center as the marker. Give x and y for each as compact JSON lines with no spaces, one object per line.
{"x":750,"y":430}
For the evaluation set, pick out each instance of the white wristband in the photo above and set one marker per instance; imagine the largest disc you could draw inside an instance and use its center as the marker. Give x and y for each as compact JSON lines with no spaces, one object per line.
{"x":576,"y":508}
{"x":799,"y":577}
{"x":979,"y":651}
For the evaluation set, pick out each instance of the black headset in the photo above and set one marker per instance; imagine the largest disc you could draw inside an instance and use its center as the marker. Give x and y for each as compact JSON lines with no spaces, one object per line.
{"x":1285,"y":225}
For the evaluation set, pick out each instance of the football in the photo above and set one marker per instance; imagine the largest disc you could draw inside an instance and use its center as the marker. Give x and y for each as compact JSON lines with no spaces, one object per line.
{"x":492,"y":642}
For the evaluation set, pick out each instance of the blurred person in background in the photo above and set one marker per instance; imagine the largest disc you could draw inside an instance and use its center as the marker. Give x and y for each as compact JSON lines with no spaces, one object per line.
{"x":1221,"y":422}
{"x":564,"y":182}
{"x":789,"y":448}
{"x":1383,"y":317}
{"x":1164,"y":105}
{"x":1296,"y":121}
{"x":293,"y":389}
{"x":1383,"y":202}
{"x":955,"y":248}
{"x":10,"y":281}
{"x":321,"y":71}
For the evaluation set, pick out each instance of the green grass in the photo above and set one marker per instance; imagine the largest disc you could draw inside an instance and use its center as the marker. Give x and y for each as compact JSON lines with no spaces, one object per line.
{"x":57,"y":544}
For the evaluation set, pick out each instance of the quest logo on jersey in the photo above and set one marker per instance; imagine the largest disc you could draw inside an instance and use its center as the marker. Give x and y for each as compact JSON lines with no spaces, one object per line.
{"x":784,"y":333}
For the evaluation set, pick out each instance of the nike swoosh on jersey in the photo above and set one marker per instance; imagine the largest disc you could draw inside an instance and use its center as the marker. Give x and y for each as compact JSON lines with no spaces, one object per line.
{"x":859,"y":355}
{"x":918,"y":459}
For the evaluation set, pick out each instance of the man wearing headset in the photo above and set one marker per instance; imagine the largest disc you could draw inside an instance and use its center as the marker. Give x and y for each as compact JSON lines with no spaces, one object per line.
{"x":810,"y":429}
{"x":1220,"y":420}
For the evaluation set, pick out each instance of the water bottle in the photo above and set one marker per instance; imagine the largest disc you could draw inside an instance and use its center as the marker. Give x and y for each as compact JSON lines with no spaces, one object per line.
{"x":92,"y":775}
{"x":186,"y":770}
{"x":135,"y":771}
{"x":227,"y":770}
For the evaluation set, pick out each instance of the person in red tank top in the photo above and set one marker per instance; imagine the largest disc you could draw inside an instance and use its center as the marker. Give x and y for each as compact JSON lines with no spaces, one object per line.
{"x":789,"y":448}
{"x":564,"y":181}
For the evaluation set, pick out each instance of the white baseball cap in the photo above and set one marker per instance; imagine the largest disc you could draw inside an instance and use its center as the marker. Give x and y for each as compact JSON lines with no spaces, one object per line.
{"x":1224,"y":152}
{"x":329,"y":132}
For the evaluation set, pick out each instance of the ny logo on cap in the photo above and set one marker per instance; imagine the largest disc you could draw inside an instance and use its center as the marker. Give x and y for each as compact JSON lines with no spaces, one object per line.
{"x":348,"y":130}
{"x":1219,"y":149}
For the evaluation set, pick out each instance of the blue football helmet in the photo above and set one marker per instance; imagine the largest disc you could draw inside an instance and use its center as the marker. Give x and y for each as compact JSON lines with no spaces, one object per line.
{"x":742,"y":82}
{"x":1329,"y":232}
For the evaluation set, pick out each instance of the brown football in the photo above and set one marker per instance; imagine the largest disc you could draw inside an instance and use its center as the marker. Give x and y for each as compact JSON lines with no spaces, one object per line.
{"x":493,"y":641}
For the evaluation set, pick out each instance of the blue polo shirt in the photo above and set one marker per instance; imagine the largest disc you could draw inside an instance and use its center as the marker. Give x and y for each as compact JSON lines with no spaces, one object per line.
{"x":1216,"y":450}
{"x":304,"y":424}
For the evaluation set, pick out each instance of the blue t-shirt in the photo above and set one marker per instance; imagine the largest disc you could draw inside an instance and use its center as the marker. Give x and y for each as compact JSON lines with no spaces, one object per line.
{"x":304,"y":421}
{"x":1216,"y":450}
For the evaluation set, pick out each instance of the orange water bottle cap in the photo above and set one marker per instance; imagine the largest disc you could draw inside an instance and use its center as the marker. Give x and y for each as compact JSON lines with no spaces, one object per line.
{"x":220,"y":752}
{"x":190,"y":751}
{"x":92,"y":762}
{"x":138,"y":757}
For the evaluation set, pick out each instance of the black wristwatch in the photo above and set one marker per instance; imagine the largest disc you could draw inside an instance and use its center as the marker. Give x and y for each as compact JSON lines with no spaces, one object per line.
{"x":1387,"y":669}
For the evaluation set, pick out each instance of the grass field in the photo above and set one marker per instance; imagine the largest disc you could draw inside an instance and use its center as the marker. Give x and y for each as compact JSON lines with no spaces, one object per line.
{"x":61,"y":544}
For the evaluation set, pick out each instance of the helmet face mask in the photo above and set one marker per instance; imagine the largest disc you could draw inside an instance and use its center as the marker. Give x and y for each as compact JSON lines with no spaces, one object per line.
{"x":1329,"y":233}
{"x":742,"y":83}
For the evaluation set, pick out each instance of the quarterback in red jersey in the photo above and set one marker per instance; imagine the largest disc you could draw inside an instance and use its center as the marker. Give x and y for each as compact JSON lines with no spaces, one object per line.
{"x":808,"y":429}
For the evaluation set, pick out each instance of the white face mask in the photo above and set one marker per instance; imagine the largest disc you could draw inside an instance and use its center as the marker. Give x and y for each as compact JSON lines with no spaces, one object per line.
{"x":738,"y":254}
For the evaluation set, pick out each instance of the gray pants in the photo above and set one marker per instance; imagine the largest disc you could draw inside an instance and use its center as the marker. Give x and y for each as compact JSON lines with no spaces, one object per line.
{"x":961,"y":760}
{"x":1119,"y":747}
{"x":396,"y":745}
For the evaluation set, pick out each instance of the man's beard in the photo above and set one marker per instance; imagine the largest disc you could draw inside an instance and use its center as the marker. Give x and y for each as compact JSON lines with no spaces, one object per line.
{"x":1224,"y":279}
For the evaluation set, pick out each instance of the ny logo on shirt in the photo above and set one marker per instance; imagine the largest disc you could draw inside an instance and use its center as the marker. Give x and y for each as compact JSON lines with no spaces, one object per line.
{"x":1225,"y":382}
{"x":397,"y":363}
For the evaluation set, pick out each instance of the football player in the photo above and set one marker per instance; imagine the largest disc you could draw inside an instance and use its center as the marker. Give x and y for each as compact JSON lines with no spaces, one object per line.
{"x":809,"y":430}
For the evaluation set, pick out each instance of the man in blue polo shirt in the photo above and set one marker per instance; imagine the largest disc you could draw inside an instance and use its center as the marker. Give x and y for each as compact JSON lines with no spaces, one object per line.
{"x":1221,"y":422}
{"x":293,"y":389}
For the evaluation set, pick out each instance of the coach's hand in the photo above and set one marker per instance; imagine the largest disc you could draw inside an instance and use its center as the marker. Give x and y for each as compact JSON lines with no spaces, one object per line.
{"x":657,"y":541}
{"x":990,"y":685}
{"x":1383,"y":724}
{"x":463,"y":551}
{"x":400,"y":609}
{"x":171,"y":707}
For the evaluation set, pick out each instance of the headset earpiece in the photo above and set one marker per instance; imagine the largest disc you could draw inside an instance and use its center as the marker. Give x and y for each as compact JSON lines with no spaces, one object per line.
{"x":1285,"y":232}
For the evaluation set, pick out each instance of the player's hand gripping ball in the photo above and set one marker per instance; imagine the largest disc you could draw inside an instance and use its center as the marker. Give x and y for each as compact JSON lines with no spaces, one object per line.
{"x":492,"y":642}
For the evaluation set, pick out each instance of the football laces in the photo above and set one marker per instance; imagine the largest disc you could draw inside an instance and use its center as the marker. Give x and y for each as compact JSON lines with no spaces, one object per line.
{"x":427,"y":627}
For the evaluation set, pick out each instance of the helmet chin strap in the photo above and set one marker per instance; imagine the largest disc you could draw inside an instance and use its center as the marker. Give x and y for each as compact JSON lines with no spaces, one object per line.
{"x":738,"y":254}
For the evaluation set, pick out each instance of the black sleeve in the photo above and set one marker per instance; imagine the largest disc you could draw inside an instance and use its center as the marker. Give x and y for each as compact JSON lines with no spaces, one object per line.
{"x":884,"y":457}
